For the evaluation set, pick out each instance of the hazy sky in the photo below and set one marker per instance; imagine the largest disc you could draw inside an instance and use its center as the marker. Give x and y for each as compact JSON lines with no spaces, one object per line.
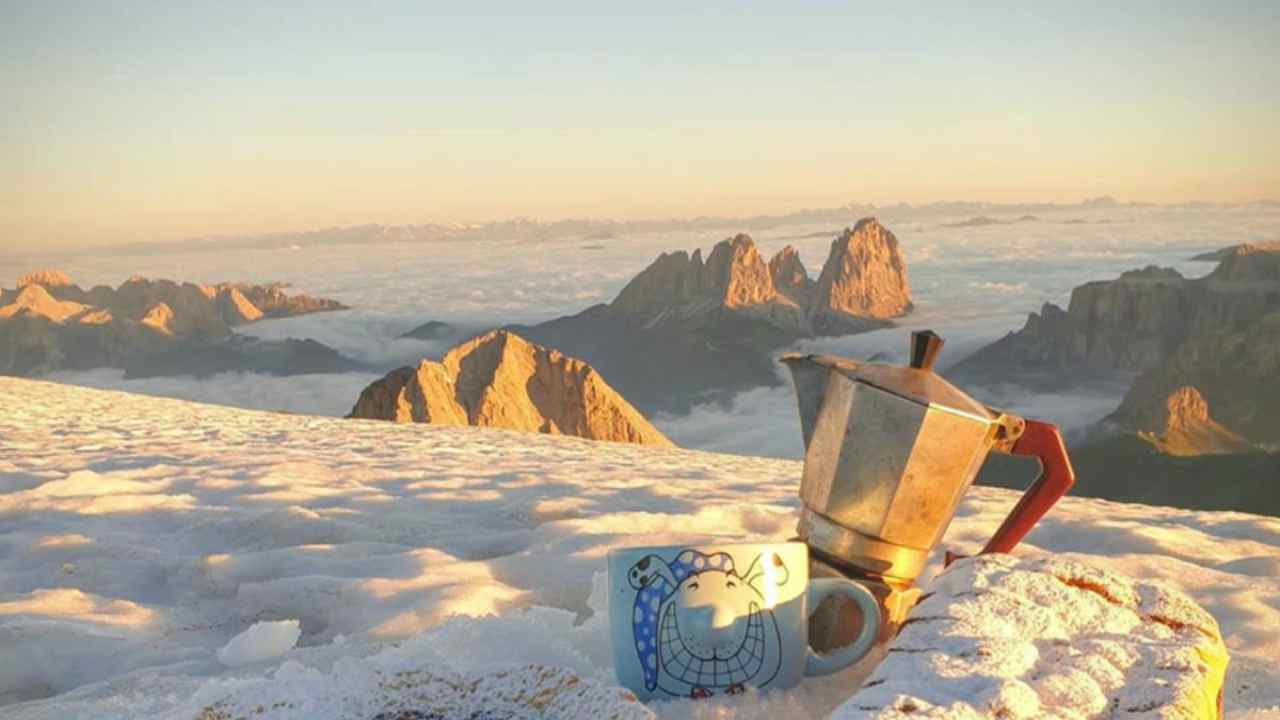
{"x":143,"y":121}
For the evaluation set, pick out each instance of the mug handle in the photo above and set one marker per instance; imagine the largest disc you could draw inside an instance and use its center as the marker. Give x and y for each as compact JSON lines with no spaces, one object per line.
{"x":820,"y":588}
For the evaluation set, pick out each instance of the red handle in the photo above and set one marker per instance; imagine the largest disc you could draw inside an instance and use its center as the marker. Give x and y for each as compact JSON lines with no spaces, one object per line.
{"x":1043,"y":441}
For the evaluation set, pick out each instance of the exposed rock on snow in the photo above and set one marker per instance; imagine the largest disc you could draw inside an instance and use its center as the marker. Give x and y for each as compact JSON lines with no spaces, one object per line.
{"x":500,"y":380}
{"x":262,"y":641}
{"x":998,"y":637}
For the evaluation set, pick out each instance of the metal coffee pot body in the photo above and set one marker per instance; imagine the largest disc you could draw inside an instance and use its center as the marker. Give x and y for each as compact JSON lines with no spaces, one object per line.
{"x":889,"y":453}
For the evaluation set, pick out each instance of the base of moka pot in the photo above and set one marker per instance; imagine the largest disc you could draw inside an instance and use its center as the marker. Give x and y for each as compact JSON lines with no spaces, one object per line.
{"x":837,"y":622}
{"x":873,"y":556}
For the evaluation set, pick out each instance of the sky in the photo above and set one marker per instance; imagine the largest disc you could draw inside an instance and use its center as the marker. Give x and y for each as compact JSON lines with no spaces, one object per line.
{"x":131,"y":121}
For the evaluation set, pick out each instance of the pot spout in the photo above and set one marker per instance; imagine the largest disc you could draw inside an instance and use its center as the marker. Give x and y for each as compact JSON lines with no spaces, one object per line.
{"x":810,"y":380}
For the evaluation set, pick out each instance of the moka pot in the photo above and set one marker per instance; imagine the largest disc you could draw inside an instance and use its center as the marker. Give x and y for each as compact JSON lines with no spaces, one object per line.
{"x":891,"y":450}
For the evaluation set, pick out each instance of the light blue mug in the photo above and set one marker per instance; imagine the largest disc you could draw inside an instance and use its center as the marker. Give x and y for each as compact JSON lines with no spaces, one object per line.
{"x":694,"y":622}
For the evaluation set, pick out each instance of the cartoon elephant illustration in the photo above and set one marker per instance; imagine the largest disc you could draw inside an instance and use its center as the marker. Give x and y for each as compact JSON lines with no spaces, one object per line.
{"x":700,"y":627}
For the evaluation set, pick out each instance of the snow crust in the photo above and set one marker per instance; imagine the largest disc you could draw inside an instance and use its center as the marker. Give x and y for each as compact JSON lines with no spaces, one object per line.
{"x":139,"y":536}
{"x":1046,"y":638}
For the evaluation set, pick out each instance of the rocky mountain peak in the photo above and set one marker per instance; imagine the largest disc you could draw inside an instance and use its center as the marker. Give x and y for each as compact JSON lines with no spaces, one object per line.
{"x":159,"y":318}
{"x":863,"y":282}
{"x":787,"y":271}
{"x":1250,"y":263}
{"x":34,"y":300}
{"x":737,"y":274}
{"x":1152,"y":272}
{"x":671,"y":278}
{"x":1178,"y":423}
{"x":47,"y":277}
{"x":501,"y":380}
{"x":1183,"y":408}
{"x":865,"y":274}
{"x":234,"y":307}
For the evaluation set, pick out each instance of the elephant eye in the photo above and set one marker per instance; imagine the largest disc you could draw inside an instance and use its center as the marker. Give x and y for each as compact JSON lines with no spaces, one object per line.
{"x":730,"y":584}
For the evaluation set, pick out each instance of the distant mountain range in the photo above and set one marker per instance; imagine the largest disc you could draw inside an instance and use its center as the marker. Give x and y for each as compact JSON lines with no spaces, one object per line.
{"x":527,"y":230}
{"x":153,"y":327}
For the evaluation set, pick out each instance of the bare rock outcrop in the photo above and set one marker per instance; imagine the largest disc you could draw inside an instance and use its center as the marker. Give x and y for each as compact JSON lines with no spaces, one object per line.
{"x":1209,"y":342}
{"x":674,"y":279}
{"x":159,"y":318}
{"x":1179,"y":424}
{"x":1135,"y":322}
{"x":737,"y":276}
{"x":791,"y":279}
{"x":864,"y":275}
{"x":500,"y":380}
{"x":272,"y":301}
{"x":35,"y":301}
{"x":193,"y":312}
{"x":1236,"y":373}
{"x":863,"y":281}
{"x":1250,"y":263}
{"x":234,"y":308}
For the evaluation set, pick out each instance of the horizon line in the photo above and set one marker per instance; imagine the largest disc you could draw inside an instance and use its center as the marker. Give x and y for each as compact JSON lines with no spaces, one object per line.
{"x":1086,"y":203}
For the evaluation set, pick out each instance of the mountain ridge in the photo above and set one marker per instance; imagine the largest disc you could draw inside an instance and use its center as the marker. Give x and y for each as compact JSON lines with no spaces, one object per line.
{"x":500,"y":380}
{"x":686,"y":330}
{"x":148,"y":326}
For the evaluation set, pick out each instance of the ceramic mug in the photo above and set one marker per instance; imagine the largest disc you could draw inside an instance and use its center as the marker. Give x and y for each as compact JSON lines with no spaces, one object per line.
{"x":713,"y":620}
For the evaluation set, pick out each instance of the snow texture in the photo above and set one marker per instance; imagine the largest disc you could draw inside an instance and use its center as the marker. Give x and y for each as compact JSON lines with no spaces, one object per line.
{"x":140,"y":535}
{"x":262,"y":641}
{"x":1046,"y":638}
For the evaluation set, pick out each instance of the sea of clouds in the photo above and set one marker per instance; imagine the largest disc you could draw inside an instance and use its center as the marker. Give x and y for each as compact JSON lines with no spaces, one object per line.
{"x":970,"y":284}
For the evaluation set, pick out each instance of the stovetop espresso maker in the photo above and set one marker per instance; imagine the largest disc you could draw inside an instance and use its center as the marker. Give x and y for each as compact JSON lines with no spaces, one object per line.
{"x":889,"y":453}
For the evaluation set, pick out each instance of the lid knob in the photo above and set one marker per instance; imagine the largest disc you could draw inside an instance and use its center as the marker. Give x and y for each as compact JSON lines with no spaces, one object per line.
{"x":925,"y":346}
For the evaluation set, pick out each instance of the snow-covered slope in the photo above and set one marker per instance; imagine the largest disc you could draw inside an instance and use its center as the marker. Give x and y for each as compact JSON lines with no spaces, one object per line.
{"x":139,"y":536}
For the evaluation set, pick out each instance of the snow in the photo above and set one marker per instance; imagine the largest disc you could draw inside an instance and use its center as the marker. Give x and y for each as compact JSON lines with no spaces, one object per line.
{"x":1046,"y":638}
{"x":140,"y":535}
{"x":262,"y":641}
